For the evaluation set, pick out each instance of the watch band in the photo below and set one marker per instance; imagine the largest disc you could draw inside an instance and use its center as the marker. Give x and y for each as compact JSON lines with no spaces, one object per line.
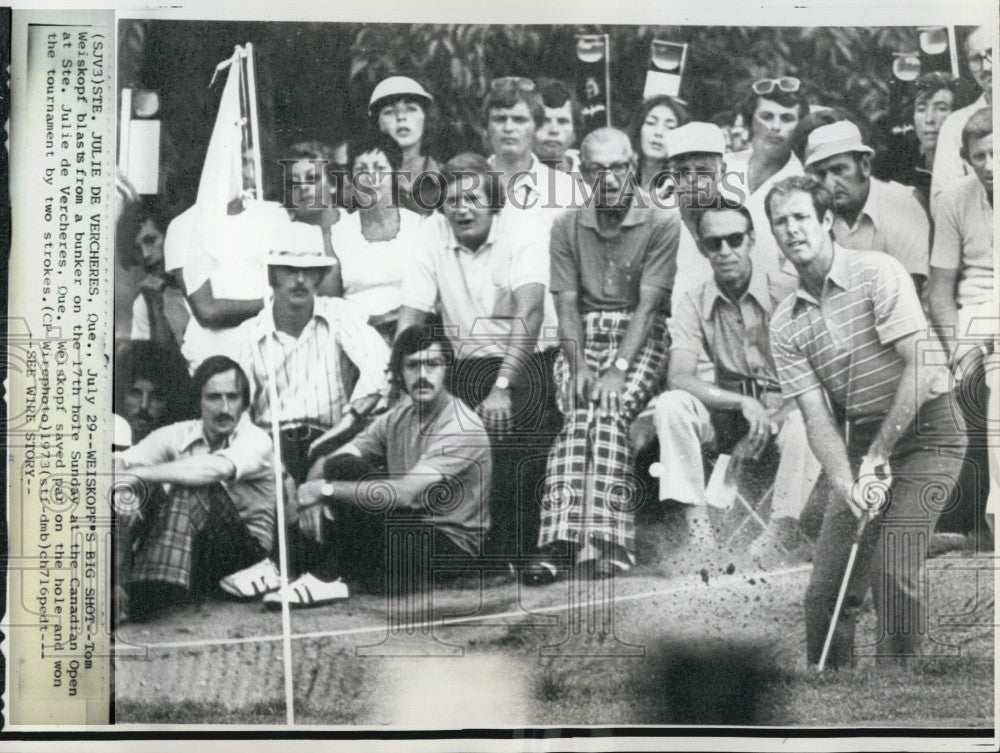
{"x":326,"y":489}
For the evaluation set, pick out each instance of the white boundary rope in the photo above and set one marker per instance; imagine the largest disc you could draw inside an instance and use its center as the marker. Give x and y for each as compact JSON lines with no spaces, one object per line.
{"x":728,"y":581}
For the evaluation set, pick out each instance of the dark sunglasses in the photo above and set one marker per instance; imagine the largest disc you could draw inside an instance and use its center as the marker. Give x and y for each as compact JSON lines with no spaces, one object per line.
{"x":518,"y":82}
{"x":768,"y":85}
{"x":714,"y":242}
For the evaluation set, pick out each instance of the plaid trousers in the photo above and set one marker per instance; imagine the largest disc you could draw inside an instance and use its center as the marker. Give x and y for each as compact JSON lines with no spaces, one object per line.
{"x":194,"y":524}
{"x":601,"y":440}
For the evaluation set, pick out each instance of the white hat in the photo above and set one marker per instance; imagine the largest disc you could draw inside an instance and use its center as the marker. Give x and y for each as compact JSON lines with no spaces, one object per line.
{"x":695,"y":137}
{"x":395,"y":86}
{"x":837,"y":138}
{"x":299,"y":245}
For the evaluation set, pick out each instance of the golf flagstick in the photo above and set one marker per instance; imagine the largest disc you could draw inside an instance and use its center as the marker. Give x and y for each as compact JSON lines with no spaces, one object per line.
{"x":279,"y":489}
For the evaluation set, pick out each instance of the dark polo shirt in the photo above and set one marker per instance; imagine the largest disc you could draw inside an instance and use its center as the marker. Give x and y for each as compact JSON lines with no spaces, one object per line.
{"x":607,"y":267}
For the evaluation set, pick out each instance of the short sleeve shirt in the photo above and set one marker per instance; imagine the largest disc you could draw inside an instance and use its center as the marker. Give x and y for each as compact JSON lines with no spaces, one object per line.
{"x":734,"y":336}
{"x":451,"y":442}
{"x":475,"y":289}
{"x":963,"y":239}
{"x":607,"y":267}
{"x":844,"y":341}
{"x":893,"y":221}
{"x":248,"y":448}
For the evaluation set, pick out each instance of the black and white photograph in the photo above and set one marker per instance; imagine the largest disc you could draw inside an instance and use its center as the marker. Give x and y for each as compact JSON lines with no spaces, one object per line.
{"x":569,"y":380}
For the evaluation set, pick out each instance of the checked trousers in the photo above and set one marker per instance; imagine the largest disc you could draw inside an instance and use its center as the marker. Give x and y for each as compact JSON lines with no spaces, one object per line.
{"x":592,"y":451}
{"x":193,"y":527}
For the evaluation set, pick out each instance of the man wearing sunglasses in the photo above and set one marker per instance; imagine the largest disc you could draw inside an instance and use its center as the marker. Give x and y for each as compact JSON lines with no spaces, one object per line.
{"x":868,"y":214}
{"x":613,"y":265}
{"x":948,"y":163}
{"x":725,"y":320}
{"x":772,"y":110}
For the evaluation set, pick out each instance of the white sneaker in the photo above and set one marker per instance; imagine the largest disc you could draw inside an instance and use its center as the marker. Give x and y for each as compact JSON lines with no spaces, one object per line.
{"x":308,"y":591}
{"x":252,"y":582}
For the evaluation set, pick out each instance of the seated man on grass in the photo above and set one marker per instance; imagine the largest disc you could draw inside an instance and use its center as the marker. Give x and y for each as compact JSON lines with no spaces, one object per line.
{"x":204,"y":497}
{"x":436,"y":480}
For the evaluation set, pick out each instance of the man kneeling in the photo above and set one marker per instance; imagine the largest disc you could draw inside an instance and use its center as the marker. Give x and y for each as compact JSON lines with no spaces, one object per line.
{"x":726,"y":319}
{"x":204,"y":491}
{"x":356,"y":523}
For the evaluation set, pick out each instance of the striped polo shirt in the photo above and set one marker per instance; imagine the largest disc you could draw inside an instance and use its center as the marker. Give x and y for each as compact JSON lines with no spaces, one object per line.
{"x":844,"y":341}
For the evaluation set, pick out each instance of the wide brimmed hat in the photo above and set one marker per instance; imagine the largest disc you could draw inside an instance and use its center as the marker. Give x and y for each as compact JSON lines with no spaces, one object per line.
{"x":299,"y":245}
{"x":827,"y":141}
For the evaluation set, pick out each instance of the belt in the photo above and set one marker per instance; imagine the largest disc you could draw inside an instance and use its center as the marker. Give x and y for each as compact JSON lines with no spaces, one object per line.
{"x":749,"y":387}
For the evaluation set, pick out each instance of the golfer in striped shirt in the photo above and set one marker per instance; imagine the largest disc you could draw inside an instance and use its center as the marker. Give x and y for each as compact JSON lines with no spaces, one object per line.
{"x":851,"y":345}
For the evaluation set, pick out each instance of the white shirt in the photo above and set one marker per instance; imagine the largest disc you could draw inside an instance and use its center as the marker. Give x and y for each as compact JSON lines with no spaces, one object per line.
{"x":372,"y":271}
{"x":948,"y":163}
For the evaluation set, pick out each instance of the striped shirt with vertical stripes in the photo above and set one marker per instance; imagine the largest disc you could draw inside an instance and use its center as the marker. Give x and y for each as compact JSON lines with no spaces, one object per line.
{"x":308,"y":369}
{"x":844,"y":341}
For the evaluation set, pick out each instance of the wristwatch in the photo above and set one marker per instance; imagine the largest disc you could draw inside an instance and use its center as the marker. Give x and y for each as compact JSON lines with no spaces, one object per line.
{"x":502,"y":383}
{"x":326,"y":491}
{"x":621,"y":364}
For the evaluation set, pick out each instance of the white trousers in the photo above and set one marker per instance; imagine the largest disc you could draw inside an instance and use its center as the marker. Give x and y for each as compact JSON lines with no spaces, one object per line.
{"x":684,"y":426}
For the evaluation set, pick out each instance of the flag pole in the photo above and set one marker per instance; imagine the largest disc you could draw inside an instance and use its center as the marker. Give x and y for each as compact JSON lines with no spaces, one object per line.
{"x":272,"y":390}
{"x":953,"y":51}
{"x":607,"y":78}
{"x":279,"y":489}
{"x":254,"y":121}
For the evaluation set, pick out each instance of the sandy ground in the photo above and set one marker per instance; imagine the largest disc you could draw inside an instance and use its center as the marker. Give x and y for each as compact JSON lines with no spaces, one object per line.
{"x":572,"y":653}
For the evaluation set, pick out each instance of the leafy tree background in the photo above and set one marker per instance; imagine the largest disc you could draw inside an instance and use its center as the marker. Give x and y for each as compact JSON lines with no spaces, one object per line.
{"x":314,"y":79}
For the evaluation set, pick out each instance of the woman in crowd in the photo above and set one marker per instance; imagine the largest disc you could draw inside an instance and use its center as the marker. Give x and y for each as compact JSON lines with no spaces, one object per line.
{"x":655,"y":117}
{"x":373,"y":242}
{"x":909,"y":157}
{"x":403,"y":109}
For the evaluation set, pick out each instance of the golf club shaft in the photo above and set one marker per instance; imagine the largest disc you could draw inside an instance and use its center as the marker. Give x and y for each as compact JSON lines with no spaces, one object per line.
{"x":843,"y":592}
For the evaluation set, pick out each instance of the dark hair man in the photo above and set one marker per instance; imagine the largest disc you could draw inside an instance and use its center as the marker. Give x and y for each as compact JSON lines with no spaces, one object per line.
{"x":487,"y":272}
{"x":726,"y":320}
{"x":345,"y":522}
{"x":205,"y":497}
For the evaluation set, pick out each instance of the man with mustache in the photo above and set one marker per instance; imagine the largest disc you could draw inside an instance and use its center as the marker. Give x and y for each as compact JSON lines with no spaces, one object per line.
{"x":421,"y":469}
{"x":151,"y":386}
{"x":868,"y":214}
{"x":486,"y":270}
{"x":314,"y":344}
{"x":202,"y":496}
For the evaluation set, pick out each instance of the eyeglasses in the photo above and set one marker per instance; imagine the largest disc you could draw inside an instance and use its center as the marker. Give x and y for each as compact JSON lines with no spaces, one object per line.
{"x":618,"y":169}
{"x":714,"y":242}
{"x":768,"y":85}
{"x":512,"y":82}
{"x":980,"y":60}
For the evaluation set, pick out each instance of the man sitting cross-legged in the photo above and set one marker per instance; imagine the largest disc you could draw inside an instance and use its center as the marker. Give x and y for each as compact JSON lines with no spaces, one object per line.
{"x":436,"y":483}
{"x":205,"y":494}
